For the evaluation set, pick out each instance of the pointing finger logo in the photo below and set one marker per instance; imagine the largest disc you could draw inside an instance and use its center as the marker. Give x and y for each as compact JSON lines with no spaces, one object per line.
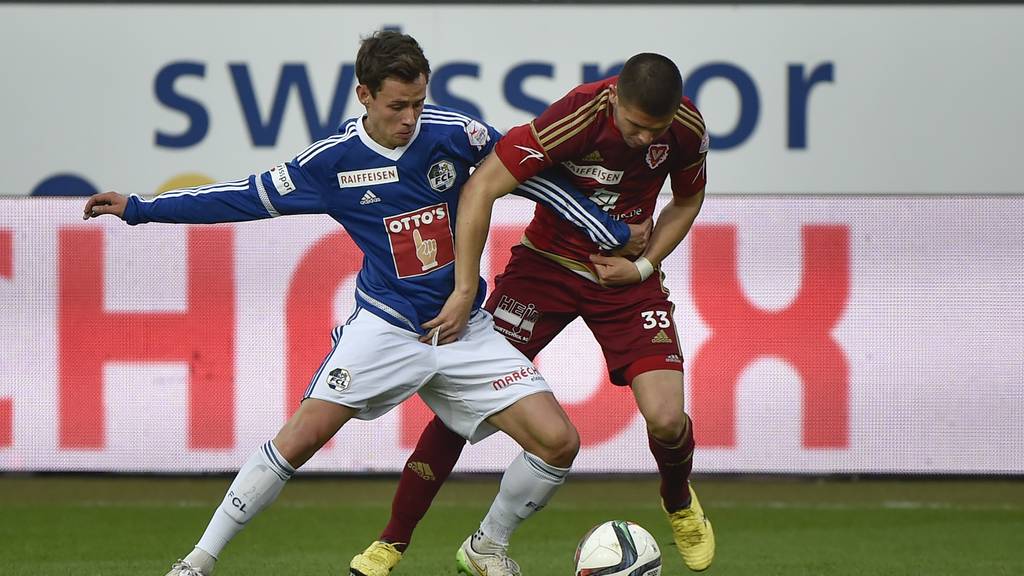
{"x":426,"y":250}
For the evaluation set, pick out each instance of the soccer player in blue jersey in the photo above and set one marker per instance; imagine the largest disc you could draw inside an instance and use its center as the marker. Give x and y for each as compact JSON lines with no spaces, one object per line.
{"x":392,"y":179}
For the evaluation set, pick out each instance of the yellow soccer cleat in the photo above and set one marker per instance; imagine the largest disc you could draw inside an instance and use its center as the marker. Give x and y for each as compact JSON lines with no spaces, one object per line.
{"x":377,"y":560}
{"x":693,"y":534}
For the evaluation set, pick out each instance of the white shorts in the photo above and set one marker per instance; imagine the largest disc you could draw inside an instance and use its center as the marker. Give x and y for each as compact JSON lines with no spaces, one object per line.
{"x":375,"y":366}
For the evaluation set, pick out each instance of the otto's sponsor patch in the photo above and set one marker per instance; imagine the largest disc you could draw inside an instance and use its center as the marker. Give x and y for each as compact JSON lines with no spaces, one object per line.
{"x":359,"y":178}
{"x":421,"y":240}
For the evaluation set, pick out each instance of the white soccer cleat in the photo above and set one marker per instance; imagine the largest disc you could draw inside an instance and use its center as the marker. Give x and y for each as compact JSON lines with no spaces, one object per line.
{"x":184,"y":568}
{"x":472,"y":563}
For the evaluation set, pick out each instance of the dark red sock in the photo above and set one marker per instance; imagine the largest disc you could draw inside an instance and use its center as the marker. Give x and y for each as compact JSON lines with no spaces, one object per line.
{"x":675,"y":461}
{"x":428,"y":467}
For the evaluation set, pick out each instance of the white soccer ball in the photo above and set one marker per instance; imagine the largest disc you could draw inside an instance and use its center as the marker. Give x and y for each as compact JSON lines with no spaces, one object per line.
{"x":617,"y":548}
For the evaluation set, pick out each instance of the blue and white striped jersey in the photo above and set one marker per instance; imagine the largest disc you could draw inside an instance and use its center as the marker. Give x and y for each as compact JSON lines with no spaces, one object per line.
{"x":398,"y":205}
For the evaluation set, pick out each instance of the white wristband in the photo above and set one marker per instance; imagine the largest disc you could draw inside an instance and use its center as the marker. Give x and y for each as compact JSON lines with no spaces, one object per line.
{"x":644,"y":266}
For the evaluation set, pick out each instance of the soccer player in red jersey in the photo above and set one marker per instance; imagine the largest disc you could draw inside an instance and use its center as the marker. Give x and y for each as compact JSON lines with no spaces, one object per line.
{"x":620,"y":138}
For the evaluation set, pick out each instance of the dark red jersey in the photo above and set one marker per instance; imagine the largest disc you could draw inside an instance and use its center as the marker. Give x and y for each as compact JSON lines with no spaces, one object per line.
{"x":578,"y":132}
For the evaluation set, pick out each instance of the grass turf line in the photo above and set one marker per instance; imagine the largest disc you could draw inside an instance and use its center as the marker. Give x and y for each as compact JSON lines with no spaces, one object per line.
{"x":133,"y":526}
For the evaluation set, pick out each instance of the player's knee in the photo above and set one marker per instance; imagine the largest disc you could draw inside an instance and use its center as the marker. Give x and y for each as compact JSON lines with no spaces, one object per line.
{"x":561,"y":449}
{"x":298,"y":441}
{"x":666,"y":425}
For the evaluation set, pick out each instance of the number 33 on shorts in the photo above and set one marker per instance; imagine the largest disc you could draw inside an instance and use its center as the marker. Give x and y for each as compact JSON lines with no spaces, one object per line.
{"x":655,"y":319}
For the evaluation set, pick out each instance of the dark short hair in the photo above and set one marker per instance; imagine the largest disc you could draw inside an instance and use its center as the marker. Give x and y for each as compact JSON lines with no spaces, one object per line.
{"x":390,"y":54}
{"x":652,"y":83}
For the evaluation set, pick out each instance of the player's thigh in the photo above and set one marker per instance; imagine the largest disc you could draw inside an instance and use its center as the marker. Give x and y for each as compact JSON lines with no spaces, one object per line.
{"x":533,"y":300}
{"x":479,"y":375}
{"x":373,"y":367}
{"x":540,"y":426}
{"x":635,"y":327}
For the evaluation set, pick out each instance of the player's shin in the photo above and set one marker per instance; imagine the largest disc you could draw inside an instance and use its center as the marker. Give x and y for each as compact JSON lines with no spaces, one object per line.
{"x":526,"y":487}
{"x":675,"y":462}
{"x":428,"y":467}
{"x":257,"y":484}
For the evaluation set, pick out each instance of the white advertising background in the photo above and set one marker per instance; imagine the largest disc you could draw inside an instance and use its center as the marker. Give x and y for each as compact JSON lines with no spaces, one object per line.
{"x":927,"y":323}
{"x":921,"y":99}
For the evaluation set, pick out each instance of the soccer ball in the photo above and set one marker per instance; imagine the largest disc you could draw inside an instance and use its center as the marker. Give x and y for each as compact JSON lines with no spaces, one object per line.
{"x":617,"y":548}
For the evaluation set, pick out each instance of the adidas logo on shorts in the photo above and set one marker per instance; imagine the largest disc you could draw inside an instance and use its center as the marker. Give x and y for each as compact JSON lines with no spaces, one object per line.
{"x":369,"y":198}
{"x":661,"y":338}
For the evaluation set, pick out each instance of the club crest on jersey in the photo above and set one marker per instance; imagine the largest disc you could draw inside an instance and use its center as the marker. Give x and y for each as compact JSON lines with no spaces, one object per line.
{"x":478,"y":135}
{"x":656,"y":154}
{"x":441,"y":175}
{"x":339,"y":379}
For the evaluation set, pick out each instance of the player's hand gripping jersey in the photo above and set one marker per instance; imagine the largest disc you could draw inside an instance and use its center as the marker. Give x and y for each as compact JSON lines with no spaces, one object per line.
{"x":579,"y":133}
{"x":398,"y":205}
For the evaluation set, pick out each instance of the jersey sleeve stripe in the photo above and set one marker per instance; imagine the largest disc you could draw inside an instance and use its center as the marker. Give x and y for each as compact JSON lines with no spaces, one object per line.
{"x":222,"y":187}
{"x":584,"y":115}
{"x":691,"y":120}
{"x":565,"y":204}
{"x":321,"y":145}
{"x":350,"y":126}
{"x":265,"y":198}
{"x":554,"y":126}
{"x":581,"y":126}
{"x":696,"y":130}
{"x":685,"y":112}
{"x":698,"y":161}
{"x":447,"y":122}
{"x":446,"y":114}
{"x":217,"y":185}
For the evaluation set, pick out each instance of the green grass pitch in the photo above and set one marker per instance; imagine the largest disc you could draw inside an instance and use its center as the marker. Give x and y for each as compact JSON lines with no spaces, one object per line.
{"x":86,"y":526}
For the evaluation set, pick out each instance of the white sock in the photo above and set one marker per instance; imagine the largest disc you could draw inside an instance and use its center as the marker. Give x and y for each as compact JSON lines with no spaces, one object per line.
{"x":257,"y":484}
{"x":526,"y":487}
{"x":201,"y":560}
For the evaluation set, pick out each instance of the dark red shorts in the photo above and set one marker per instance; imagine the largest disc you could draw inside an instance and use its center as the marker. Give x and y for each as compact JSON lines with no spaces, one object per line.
{"x":534,"y":299}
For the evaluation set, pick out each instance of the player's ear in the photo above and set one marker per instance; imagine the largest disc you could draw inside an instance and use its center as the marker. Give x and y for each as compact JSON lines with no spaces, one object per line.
{"x":363,"y":94}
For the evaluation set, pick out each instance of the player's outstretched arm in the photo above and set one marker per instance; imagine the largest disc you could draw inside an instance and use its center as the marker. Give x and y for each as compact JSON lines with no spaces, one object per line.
{"x":476,"y":200}
{"x":674,"y":222}
{"x":105,"y":203}
{"x":557,"y":193}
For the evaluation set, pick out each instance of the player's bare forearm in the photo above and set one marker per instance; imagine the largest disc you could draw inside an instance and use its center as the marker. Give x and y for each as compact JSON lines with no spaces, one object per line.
{"x":674,"y":223}
{"x":476,"y":200}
